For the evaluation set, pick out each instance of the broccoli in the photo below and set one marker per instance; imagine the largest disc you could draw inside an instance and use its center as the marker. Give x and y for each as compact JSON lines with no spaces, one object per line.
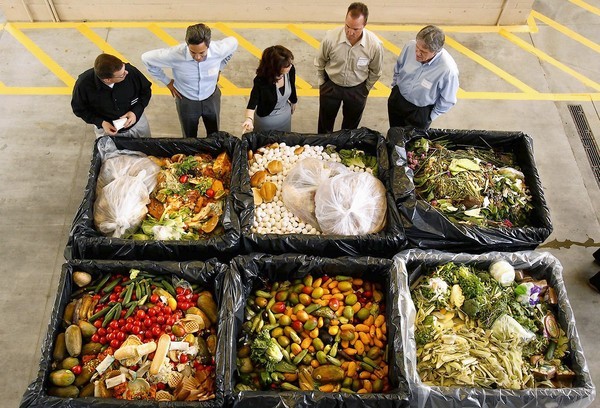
{"x":265,"y":350}
{"x":471,"y":307}
{"x":469,"y":282}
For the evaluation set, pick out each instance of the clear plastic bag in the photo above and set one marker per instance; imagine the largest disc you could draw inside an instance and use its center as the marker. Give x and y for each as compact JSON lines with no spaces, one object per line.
{"x":351,"y":204}
{"x":120,"y":206}
{"x":301,"y":183}
{"x":116,"y":163}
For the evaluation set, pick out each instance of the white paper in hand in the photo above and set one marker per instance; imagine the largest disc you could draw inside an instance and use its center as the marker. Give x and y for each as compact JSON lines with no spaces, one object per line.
{"x":119,"y":123}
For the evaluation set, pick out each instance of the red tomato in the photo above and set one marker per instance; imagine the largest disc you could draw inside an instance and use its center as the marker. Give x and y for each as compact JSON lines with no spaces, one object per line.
{"x":151,"y":312}
{"x":76,"y":369}
{"x":135,"y":330}
{"x":121,"y":336}
{"x":156,"y":331}
{"x":103,"y":340}
{"x":148,"y":334}
{"x":147,"y":322}
{"x":179,"y":290}
{"x":118,"y":289}
{"x":115,"y":343}
{"x":183,"y":358}
{"x":128,"y":327}
{"x":154,"y":299}
{"x":183,"y":178}
{"x":114,"y":324}
{"x":140,"y":314}
{"x":95,"y":338}
{"x":110,"y":336}
{"x":160,"y":319}
{"x":210,"y":193}
{"x":167,"y":310}
{"x":101,"y":331}
{"x":171,"y":321}
{"x":98,"y":323}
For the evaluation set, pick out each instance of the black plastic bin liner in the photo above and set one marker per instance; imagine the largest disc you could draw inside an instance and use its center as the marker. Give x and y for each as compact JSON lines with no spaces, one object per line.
{"x":427,"y":228}
{"x":384,"y":243}
{"x":412,"y":263}
{"x":86,"y":242}
{"x":250,"y":272}
{"x":209,"y":274}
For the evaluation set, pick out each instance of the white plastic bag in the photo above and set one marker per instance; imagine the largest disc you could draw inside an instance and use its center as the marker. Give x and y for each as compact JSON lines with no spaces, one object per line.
{"x":351,"y":204}
{"x":120,"y":207}
{"x":300,"y":185}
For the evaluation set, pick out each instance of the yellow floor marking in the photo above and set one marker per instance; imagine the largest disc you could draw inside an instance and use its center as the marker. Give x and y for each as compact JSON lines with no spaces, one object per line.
{"x":99,"y":41}
{"x":533,"y":28}
{"x":388,"y":45}
{"x":227,"y":87}
{"x":254,"y":50}
{"x":37,"y":90}
{"x":41,"y":55}
{"x":522,"y":96}
{"x":380,"y":88}
{"x":545,"y":57}
{"x":566,"y":31}
{"x":586,"y":6}
{"x":488,"y":65}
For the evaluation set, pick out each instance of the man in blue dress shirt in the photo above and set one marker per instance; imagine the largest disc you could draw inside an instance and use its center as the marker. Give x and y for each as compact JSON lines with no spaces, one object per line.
{"x":425,"y":81}
{"x":196,"y":65}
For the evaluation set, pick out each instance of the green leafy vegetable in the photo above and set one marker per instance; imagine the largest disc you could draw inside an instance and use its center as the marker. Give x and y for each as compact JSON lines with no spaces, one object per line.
{"x":265,"y":351}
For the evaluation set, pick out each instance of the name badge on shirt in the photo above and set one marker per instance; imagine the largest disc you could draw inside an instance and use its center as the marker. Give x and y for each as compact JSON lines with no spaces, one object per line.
{"x":362,"y":62}
{"x":213,"y":71}
{"x":426,"y":84}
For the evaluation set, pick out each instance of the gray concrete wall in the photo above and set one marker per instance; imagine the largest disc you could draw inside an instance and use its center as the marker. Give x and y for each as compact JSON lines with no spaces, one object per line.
{"x":457,"y":12}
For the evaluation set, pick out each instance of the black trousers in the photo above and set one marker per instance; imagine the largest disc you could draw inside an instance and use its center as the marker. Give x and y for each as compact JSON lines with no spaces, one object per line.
{"x":331,"y":96}
{"x":403,"y":113}
{"x":190,"y":112}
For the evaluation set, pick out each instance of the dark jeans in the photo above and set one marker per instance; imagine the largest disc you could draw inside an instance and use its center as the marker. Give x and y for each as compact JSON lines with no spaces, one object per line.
{"x":190,"y":113}
{"x":331,"y":96}
{"x":403,"y":113}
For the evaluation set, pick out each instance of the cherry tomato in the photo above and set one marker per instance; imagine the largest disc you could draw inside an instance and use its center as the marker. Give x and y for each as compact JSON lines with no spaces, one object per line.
{"x":115,"y":343}
{"x":98,"y":323}
{"x":210,"y":193}
{"x":76,"y":369}
{"x":113,"y":297}
{"x":103,"y":340}
{"x":135,"y":330}
{"x":121,"y":336}
{"x":148,"y":334}
{"x":151,"y":312}
{"x":167,"y":310}
{"x":183,"y":358}
{"x":118,"y":289}
{"x":101,"y":331}
{"x":160,"y":319}
{"x":154,"y":299}
{"x":179,"y":290}
{"x":147,"y":322}
{"x":140,"y":314}
{"x":130,"y":320}
{"x":95,"y":338}
{"x":183,"y":178}
{"x":128,"y":327}
{"x":110,"y":336}
{"x":156,"y":331}
{"x":114,"y":324}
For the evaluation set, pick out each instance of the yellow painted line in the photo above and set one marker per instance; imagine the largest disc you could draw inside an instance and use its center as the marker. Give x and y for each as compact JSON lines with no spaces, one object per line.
{"x":545,"y":57}
{"x":24,"y":90}
{"x":533,"y":28}
{"x":521,"y":96}
{"x":254,"y":50}
{"x":163,"y":35}
{"x":388,"y":45}
{"x":41,"y":55}
{"x":566,"y":31}
{"x":586,"y":6}
{"x":105,"y":47}
{"x":488,"y":65}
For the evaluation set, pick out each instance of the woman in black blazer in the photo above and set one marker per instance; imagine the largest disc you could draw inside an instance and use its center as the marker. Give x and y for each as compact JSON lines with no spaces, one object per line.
{"x":273,"y":97}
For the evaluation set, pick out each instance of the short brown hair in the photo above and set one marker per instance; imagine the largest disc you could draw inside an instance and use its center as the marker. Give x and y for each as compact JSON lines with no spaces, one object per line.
{"x":106,"y":65}
{"x":357,"y":9}
{"x":198,"y":34}
{"x":273,"y":60}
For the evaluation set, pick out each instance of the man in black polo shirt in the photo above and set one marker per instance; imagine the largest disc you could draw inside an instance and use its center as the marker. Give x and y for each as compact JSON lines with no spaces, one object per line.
{"x":112,"y":96}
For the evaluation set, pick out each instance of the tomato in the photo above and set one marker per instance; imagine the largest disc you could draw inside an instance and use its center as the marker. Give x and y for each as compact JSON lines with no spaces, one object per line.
{"x":148,"y":334}
{"x":187,"y":291}
{"x":115,"y":343}
{"x":179,"y":290}
{"x":135,"y":330}
{"x":160,"y":319}
{"x":76,"y":369}
{"x":128,"y":327}
{"x":114,"y":324}
{"x":130,"y":320}
{"x":167,"y":310}
{"x":113,"y":297}
{"x":118,"y":289}
{"x":121,"y":336}
{"x":95,"y":338}
{"x":110,"y":336}
{"x":156,"y":331}
{"x":98,"y":323}
{"x":183,"y":178}
{"x":140,"y":314}
{"x":147,"y":322}
{"x":103,"y":340}
{"x":183,"y":358}
{"x":101,"y":331}
{"x":154,"y":299}
{"x":151,"y":312}
{"x":210,"y":193}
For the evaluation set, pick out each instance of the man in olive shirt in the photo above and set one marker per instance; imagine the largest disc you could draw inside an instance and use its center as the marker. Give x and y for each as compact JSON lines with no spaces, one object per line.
{"x":348,"y":65}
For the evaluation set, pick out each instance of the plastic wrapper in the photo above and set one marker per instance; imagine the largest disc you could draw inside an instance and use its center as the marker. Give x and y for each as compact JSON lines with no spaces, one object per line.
{"x":121,"y":205}
{"x":86,"y":242}
{"x":351,"y":204}
{"x":427,"y":228}
{"x":252,"y":271}
{"x":385,"y":243}
{"x":301,"y":184}
{"x":411,"y":264}
{"x":209,"y":274}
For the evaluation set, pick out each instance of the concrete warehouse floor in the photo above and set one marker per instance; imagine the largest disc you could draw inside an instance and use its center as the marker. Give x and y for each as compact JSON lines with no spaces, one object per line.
{"x":512,"y":78}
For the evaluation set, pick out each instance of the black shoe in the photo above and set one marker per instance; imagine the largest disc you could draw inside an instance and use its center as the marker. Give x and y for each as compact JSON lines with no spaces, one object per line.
{"x":594,"y":282}
{"x":597,"y":256}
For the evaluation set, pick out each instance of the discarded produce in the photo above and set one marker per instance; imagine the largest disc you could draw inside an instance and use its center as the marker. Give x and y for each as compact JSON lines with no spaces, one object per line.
{"x":189,"y":198}
{"x":473,"y":329}
{"x":129,"y":337}
{"x":470,"y":186}
{"x":316,"y":333}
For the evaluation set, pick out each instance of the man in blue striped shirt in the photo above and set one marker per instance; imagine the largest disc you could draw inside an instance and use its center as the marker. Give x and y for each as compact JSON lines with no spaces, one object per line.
{"x":196,"y":65}
{"x":425,"y":81}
